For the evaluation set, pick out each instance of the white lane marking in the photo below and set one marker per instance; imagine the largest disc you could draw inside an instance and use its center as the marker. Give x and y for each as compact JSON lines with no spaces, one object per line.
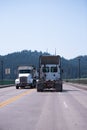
{"x":66,"y":106}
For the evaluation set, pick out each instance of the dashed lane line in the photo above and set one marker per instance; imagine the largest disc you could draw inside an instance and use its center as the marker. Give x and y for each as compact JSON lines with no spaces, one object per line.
{"x":66,"y":106}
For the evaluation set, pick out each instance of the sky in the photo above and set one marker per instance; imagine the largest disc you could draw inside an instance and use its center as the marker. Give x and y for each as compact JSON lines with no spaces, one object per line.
{"x":54,"y":26}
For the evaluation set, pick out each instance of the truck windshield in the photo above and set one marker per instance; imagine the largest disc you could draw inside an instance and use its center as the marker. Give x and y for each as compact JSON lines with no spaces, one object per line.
{"x":53,"y":69}
{"x":45,"y":69}
{"x":24,"y":71}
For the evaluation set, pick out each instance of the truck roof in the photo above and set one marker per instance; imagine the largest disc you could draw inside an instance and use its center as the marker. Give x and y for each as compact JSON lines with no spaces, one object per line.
{"x":50,"y":59}
{"x":25,"y":67}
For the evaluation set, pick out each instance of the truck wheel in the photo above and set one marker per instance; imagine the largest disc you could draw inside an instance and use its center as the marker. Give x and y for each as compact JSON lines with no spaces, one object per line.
{"x":39,"y":90}
{"x":17,"y":87}
{"x":34,"y":83}
{"x":61,"y":88}
{"x":58,"y":88}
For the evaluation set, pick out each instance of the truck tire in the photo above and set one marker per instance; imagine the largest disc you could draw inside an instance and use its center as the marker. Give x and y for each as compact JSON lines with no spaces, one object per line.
{"x":17,"y":87}
{"x":34,"y":83}
{"x":39,"y":90}
{"x":61,"y":89}
{"x":39,"y":87}
{"x":58,"y":88}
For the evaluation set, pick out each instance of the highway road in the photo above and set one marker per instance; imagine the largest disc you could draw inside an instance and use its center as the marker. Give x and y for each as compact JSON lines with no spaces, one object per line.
{"x":27,"y":109}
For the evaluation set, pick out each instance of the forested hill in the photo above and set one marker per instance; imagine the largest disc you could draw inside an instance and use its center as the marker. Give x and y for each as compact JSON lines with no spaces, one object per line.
{"x":27,"y":57}
{"x":75,"y":68}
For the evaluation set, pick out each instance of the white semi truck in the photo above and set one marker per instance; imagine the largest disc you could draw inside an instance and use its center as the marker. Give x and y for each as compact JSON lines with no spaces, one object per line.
{"x":26,"y":77}
{"x":50,"y":73}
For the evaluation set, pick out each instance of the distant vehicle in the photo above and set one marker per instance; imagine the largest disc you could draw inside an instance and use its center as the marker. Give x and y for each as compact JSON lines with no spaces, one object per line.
{"x":26,"y":77}
{"x":50,"y":73}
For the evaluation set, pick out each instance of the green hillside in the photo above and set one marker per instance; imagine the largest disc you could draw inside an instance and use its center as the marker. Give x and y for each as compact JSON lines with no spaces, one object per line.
{"x":11,"y":61}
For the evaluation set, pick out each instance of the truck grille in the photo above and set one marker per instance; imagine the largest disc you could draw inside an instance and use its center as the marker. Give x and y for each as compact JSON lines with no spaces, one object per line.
{"x":23,"y":79}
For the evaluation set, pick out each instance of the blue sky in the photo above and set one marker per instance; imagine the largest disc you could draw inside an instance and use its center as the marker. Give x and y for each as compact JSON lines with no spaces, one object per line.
{"x":44,"y":25}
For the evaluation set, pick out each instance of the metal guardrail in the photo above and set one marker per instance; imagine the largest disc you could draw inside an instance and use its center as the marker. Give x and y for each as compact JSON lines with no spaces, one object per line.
{"x":79,"y":81}
{"x":8,"y":85}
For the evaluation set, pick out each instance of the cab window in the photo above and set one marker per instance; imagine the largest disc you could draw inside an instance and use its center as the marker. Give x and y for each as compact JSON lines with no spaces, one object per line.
{"x":53,"y":69}
{"x":46,"y":69}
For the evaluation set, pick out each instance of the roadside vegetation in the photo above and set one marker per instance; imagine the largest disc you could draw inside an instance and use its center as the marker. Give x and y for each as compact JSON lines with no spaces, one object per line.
{"x":73,"y":69}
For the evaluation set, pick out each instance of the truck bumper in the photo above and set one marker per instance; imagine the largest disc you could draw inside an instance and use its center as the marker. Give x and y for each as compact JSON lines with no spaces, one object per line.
{"x":57,"y":85}
{"x":23,"y":84}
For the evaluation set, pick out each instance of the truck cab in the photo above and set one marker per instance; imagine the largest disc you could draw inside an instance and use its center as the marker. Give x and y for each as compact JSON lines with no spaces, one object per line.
{"x":26,"y":77}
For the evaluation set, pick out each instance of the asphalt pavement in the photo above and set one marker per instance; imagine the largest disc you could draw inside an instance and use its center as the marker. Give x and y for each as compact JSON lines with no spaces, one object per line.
{"x":27,"y":109}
